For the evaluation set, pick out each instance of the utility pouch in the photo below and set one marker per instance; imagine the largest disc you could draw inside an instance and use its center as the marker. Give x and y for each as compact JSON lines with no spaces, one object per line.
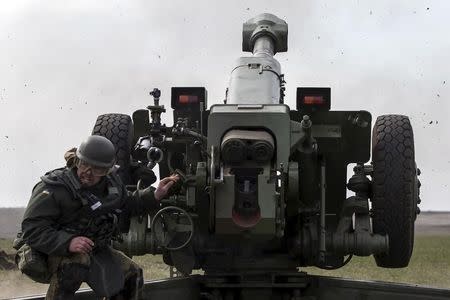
{"x":33,"y":264}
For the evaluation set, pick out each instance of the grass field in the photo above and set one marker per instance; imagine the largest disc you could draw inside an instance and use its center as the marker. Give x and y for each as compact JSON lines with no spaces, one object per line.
{"x":430,"y":266}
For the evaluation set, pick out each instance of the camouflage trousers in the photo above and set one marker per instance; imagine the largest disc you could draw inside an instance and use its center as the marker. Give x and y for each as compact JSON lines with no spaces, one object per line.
{"x":68,"y":273}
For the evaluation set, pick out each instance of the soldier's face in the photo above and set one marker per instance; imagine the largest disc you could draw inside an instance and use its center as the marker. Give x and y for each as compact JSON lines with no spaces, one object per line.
{"x":87,"y":178}
{"x":89,"y":175}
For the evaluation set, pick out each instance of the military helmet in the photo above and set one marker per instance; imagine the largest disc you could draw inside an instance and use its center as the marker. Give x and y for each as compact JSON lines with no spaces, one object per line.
{"x":98,"y":151}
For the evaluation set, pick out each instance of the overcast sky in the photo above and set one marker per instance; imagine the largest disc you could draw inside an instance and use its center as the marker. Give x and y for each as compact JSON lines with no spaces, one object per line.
{"x":62,"y":63}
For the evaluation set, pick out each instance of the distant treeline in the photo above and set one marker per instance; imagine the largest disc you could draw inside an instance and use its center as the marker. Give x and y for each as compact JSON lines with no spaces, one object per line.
{"x":10,"y":218}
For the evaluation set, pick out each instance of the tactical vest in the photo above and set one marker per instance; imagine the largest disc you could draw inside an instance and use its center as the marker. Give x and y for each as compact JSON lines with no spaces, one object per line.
{"x":97,"y":219}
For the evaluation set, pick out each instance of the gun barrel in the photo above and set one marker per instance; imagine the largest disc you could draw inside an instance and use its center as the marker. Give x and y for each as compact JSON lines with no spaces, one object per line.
{"x":257,"y":79}
{"x":264,"y":46}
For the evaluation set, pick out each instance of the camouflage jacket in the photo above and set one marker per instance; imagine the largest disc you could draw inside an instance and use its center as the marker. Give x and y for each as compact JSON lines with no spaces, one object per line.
{"x":60,"y":209}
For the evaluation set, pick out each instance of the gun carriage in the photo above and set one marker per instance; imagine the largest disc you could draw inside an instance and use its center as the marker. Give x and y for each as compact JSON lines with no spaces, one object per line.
{"x":264,"y":187}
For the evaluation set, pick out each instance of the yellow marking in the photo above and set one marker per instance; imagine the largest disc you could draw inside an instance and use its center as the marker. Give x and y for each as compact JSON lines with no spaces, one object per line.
{"x":42,"y":195}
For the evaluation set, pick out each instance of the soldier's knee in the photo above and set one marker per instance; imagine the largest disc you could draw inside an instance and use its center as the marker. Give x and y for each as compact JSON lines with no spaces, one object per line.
{"x":79,"y":258}
{"x":70,"y":276}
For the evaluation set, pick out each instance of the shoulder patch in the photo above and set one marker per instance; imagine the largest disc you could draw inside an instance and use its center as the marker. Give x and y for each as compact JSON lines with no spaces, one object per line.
{"x":43,"y":194}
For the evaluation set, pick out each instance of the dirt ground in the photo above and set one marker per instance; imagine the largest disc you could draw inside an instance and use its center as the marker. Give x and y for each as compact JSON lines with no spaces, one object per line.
{"x":14,"y":284}
{"x":433,"y":223}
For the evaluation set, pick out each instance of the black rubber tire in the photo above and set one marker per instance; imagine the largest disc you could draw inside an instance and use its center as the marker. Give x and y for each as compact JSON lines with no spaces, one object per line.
{"x":394,"y":188}
{"x":118,"y":128}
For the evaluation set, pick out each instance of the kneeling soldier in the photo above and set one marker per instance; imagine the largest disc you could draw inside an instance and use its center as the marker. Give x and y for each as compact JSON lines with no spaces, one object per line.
{"x":71,"y":219}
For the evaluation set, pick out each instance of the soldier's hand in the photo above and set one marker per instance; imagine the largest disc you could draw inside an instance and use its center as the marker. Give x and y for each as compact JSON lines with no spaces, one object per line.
{"x":81,"y":244}
{"x":164,"y":185}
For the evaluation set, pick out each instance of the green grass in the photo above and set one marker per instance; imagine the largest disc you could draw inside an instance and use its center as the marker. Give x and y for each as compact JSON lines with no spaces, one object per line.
{"x":429,"y":265}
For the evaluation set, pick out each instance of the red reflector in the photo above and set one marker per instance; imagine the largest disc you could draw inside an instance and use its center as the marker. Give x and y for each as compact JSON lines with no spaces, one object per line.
{"x":186,"y":99}
{"x":311,"y":100}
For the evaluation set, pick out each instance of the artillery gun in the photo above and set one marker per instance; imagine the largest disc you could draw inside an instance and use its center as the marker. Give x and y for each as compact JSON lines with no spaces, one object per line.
{"x":264,"y":187}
